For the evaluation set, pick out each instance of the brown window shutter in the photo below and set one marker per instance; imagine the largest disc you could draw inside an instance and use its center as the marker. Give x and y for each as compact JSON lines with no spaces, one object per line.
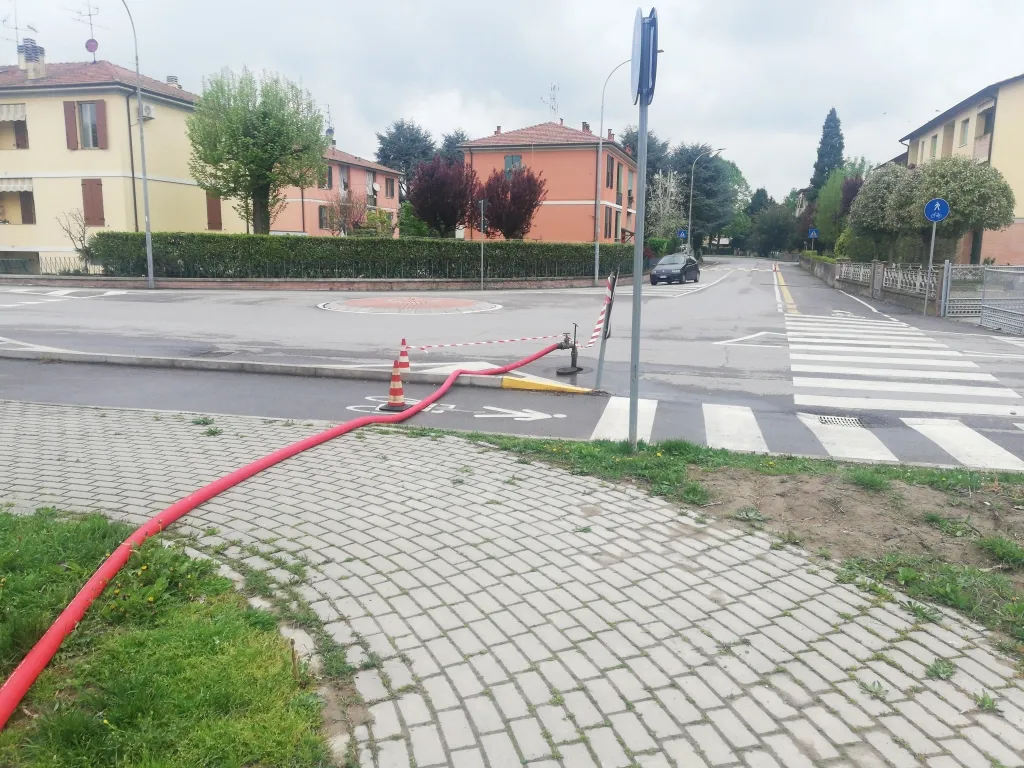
{"x":71,"y":124}
{"x":20,"y":134}
{"x":92,"y":202}
{"x":213,"y":216}
{"x":28,"y":208}
{"x":101,"y":124}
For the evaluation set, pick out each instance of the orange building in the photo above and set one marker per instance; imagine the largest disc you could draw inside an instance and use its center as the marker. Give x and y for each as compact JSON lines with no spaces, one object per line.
{"x":305,"y":210}
{"x":567,"y":159}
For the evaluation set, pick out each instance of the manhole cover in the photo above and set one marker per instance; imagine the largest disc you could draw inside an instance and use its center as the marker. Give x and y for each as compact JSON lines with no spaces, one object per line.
{"x":840,"y":421}
{"x":408,"y":305}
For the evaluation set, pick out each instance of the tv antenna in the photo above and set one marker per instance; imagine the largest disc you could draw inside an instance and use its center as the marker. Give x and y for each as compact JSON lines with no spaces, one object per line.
{"x":85,"y":17}
{"x":6,"y":22}
{"x":552,"y":102}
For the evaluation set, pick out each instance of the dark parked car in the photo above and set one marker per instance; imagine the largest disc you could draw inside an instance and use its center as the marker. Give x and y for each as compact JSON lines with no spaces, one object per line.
{"x":676,"y":267}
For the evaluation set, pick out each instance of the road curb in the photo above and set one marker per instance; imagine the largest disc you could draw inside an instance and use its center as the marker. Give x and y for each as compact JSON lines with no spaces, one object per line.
{"x":281,"y":369}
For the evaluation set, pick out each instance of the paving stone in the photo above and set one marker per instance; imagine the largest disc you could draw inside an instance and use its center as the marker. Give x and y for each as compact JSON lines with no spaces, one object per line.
{"x":715,"y":750}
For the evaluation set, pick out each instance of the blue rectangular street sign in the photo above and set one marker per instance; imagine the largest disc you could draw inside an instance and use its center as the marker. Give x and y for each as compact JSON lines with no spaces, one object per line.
{"x":681,"y":233}
{"x":812,"y":233}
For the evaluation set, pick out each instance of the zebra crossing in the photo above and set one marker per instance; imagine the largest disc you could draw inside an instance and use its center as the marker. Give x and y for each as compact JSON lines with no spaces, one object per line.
{"x":23,"y":297}
{"x":852,"y":363}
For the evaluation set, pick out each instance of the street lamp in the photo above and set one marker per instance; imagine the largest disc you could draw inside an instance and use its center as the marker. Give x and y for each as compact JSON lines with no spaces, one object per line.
{"x":142,"y":152}
{"x":597,"y":175}
{"x":689,"y":216}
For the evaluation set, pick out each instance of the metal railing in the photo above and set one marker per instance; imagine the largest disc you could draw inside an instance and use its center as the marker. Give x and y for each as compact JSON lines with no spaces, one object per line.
{"x":1002,"y":299}
{"x":911,"y":279}
{"x":853,"y":272}
{"x":962,"y":292}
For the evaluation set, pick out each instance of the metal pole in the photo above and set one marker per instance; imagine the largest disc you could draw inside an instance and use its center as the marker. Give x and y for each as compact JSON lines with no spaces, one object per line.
{"x":597,"y":180}
{"x":481,"y":245}
{"x":947,"y":278}
{"x":638,"y":272}
{"x":928,"y":274}
{"x":142,"y":152}
{"x":606,"y":330}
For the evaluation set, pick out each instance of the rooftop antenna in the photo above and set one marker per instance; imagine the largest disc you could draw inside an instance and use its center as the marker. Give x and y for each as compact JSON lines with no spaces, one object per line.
{"x":552,"y":102}
{"x":15,"y":28}
{"x":90,"y":45}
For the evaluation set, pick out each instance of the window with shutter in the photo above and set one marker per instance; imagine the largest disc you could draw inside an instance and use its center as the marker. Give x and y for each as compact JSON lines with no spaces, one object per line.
{"x":213,"y":214}
{"x":20,"y":134}
{"x":71,"y":124}
{"x":322,"y":217}
{"x":92,"y":202}
{"x":101,"y":124}
{"x":28,"y":208}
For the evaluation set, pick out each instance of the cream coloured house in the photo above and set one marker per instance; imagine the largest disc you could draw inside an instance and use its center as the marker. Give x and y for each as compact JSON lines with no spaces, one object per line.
{"x":69,"y":142}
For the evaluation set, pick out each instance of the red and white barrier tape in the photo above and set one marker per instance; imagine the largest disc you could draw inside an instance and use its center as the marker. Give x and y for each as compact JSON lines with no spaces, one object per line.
{"x":497,"y":341}
{"x":601,"y":316}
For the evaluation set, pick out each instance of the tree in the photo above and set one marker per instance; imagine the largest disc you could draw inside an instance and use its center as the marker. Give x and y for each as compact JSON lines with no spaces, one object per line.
{"x":664,"y":213}
{"x":404,"y":146}
{"x":75,"y":230}
{"x":771,"y":230}
{"x":252,"y":138}
{"x":851,"y":186}
{"x":715,"y":189}
{"x":759,"y":201}
{"x":450,"y":144}
{"x":443,"y":194}
{"x":870,"y":211}
{"x":512,"y":200}
{"x":345,"y":213}
{"x":409,"y":225}
{"x":978,"y":196}
{"x":830,"y":151}
{"x":738,"y":230}
{"x":657,"y":150}
{"x":381,"y":222}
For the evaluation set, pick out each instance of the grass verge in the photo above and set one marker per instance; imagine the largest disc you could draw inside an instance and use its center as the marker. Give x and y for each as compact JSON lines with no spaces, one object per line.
{"x":170,"y":667}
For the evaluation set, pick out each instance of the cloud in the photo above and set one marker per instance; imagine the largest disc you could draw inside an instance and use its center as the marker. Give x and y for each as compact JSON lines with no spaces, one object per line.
{"x":756,"y":76}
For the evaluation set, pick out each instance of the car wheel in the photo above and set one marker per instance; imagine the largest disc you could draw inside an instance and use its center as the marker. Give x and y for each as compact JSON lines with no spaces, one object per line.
{"x":696,"y":278}
{"x":653,"y":281}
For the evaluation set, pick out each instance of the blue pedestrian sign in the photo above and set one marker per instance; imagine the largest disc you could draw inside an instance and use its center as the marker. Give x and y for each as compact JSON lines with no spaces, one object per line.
{"x":936,"y":209}
{"x":681,"y":233}
{"x":812,"y":233}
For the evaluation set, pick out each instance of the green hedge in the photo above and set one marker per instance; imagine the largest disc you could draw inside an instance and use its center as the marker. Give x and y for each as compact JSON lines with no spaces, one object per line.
{"x":818,"y":257}
{"x":175,"y":254}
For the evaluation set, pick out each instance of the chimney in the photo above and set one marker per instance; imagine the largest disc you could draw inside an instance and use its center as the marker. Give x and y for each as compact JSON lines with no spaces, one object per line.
{"x":611,"y":136}
{"x":586,"y":127}
{"x":497,"y":131}
{"x":172,"y":80}
{"x":561,"y":121}
{"x":330,"y":136}
{"x":32,"y":59}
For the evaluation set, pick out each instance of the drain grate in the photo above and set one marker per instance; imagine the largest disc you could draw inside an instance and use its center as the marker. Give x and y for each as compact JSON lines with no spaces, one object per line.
{"x":841,"y":421}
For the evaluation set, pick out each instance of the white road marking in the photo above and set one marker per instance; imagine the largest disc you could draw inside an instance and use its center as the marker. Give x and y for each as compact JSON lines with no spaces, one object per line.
{"x":733,"y":427}
{"x":860,"y":300}
{"x":814,"y":330}
{"x":885,"y":341}
{"x":903,"y":386}
{"x":882,"y":350}
{"x":886,"y":360}
{"x":843,"y":442}
{"x":893,"y":373}
{"x":752,"y":336}
{"x":965,"y":445}
{"x":614,"y":422}
{"x":852,"y":319}
{"x":911,"y":406}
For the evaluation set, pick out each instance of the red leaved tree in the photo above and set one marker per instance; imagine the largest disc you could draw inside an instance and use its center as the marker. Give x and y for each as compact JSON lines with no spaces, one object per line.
{"x":513,"y":197}
{"x":443,"y":194}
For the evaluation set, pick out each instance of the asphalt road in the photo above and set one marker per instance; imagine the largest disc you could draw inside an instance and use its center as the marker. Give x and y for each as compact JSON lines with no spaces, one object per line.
{"x":749,"y":358}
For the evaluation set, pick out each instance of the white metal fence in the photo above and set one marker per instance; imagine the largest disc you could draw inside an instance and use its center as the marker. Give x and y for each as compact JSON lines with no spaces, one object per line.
{"x":962,"y":290}
{"x":910,"y":279}
{"x":1002,"y":299}
{"x":853,"y":272}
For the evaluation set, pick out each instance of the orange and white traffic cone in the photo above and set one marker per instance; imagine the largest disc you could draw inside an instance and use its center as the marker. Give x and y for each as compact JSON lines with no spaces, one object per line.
{"x":396,"y":395}
{"x":403,"y":357}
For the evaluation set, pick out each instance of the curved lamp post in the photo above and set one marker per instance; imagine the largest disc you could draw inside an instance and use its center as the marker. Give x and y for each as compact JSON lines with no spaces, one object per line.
{"x":689,"y":216}
{"x":142,"y":152}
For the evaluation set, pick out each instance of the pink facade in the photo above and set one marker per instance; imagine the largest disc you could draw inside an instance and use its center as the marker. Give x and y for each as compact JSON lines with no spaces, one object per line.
{"x":567,"y":159}
{"x":305,"y":210}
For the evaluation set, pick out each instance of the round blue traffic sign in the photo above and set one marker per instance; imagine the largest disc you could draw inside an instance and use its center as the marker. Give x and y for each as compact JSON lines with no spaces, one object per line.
{"x":936,"y":209}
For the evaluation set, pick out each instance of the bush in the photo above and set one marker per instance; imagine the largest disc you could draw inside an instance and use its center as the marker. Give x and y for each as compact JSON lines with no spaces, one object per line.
{"x":242,"y":257}
{"x":658,"y":244}
{"x":818,"y":257}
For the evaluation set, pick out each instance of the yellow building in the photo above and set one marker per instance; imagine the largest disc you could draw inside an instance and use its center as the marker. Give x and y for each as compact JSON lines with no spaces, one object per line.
{"x":69,"y":146}
{"x":989,"y":127}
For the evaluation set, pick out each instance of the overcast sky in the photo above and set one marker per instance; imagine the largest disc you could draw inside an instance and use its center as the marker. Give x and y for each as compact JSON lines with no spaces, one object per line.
{"x":754,"y":76}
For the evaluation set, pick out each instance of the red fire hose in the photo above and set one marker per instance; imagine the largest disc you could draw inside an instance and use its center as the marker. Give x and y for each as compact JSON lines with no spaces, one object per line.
{"x":35,"y":661}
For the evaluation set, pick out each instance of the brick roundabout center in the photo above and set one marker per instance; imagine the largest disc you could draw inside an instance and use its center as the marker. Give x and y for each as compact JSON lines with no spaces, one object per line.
{"x":408,"y":305}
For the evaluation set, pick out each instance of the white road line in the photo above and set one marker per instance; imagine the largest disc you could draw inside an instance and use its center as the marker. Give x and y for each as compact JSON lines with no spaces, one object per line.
{"x":882,"y":350}
{"x":798,"y":320}
{"x":911,"y":406}
{"x":850,"y":319}
{"x":965,"y":445}
{"x":816,"y":331}
{"x":903,"y":386}
{"x":847,"y":442}
{"x":885,"y":341}
{"x":614,"y":422}
{"x":893,"y":373}
{"x":860,"y":300}
{"x":886,"y":360}
{"x":733,"y":427}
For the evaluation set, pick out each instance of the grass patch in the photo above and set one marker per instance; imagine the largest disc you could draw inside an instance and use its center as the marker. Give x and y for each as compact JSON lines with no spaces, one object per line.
{"x":984,"y":596}
{"x":868,"y":479}
{"x":202,"y":421}
{"x":170,"y":667}
{"x":1002,"y":549}
{"x":951,"y":526}
{"x":941,"y":669}
{"x":213,"y":431}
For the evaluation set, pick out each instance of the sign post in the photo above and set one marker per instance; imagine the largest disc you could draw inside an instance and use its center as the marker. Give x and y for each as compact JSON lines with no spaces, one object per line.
{"x":812,"y":233}
{"x":644,"y":73}
{"x":935,"y":210}
{"x":606,"y":331}
{"x":681,"y":234}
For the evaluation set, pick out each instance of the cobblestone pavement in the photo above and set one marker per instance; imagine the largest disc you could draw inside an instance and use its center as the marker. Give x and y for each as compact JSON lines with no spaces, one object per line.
{"x":528,"y":616}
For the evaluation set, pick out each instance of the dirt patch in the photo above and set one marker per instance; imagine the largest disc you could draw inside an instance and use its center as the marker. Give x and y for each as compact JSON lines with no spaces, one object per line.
{"x":830,"y":514}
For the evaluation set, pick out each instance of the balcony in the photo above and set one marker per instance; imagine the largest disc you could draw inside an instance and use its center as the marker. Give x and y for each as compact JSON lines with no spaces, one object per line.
{"x":981,"y":148}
